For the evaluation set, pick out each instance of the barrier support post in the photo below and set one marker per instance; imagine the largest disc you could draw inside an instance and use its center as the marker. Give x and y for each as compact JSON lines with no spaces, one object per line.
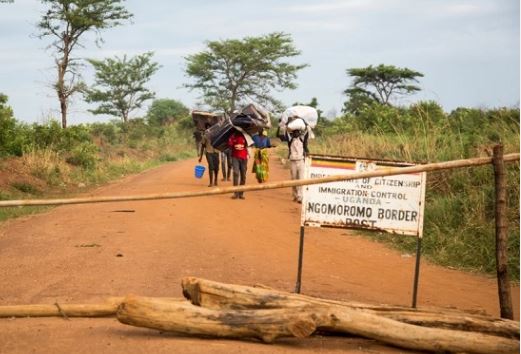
{"x":300,"y":256}
{"x":416,"y":271}
{"x":505,"y":297}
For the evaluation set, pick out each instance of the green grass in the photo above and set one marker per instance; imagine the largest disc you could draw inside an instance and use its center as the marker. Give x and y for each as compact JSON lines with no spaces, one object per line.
{"x":15,"y":212}
{"x":459,"y":226}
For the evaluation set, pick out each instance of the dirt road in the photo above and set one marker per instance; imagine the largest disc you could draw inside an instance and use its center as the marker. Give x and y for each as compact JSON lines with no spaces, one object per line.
{"x":83,"y":253}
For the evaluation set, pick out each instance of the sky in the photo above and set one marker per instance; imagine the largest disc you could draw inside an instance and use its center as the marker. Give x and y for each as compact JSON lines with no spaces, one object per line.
{"x":468,"y":50}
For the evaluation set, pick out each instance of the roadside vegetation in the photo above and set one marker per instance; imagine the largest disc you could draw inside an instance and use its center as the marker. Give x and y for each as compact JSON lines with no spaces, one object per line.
{"x":459,"y":228}
{"x":44,"y":160}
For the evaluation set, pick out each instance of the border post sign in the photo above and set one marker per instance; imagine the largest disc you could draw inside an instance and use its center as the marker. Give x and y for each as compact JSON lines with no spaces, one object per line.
{"x":393,"y":204}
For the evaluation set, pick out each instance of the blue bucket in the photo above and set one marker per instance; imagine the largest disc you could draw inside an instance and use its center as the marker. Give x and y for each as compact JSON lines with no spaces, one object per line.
{"x":199,"y":171}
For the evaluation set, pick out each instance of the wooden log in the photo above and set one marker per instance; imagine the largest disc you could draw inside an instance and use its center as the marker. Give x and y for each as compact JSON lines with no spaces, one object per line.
{"x":217,"y":295}
{"x":185,"y":318}
{"x":269,"y":324}
{"x":417,"y":337}
{"x":107,"y":308}
{"x":274,"y":185}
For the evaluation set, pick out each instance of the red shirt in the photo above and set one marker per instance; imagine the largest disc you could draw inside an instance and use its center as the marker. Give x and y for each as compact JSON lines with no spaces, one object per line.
{"x":238,"y":145}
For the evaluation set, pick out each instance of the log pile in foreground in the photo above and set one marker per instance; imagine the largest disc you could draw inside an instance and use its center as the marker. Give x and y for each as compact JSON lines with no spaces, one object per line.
{"x":225,"y":310}
{"x":233,"y":311}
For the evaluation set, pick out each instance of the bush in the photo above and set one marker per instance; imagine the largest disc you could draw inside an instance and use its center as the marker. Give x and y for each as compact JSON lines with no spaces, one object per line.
{"x":84,"y":155}
{"x":107,"y":132}
{"x":48,"y":135}
{"x":25,"y":187}
{"x":73,"y":136}
{"x":13,"y":135}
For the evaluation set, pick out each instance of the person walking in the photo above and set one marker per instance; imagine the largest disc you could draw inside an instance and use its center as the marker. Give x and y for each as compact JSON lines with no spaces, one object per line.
{"x":261,"y":158}
{"x":298,"y":150}
{"x":239,"y":148}
{"x":226,"y":164}
{"x":212,"y":157}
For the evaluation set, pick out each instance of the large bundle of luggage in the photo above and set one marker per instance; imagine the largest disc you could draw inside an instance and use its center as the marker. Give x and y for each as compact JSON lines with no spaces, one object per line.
{"x":219,"y":134}
{"x":250,"y":120}
{"x":308,"y":114}
{"x":298,"y":119}
{"x":201,"y":119}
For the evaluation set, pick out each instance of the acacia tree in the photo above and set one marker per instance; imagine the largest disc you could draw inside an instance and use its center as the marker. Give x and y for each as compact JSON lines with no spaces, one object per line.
{"x":379,"y":84}
{"x":230,"y":71}
{"x":66,"y":21}
{"x":120,"y":84}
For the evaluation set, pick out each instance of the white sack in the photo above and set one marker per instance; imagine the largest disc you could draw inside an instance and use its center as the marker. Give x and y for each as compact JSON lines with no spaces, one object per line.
{"x":296,"y":124}
{"x":309,"y":114}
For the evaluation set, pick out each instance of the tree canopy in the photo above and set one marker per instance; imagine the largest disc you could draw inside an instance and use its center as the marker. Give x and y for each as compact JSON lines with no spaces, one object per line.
{"x":120,"y":84}
{"x":165,"y":111}
{"x":66,"y":21}
{"x":231,"y":71}
{"x":379,"y":84}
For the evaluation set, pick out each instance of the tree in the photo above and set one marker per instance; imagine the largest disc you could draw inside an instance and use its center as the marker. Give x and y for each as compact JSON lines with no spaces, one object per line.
{"x":66,"y":21}
{"x":120,"y":84}
{"x":165,"y":111}
{"x":7,"y":126}
{"x":357,"y":101}
{"x":231,"y":71}
{"x":379,"y":84}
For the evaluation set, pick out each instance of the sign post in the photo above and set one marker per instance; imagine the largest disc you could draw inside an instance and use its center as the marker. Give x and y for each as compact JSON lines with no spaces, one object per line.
{"x":300,"y":257}
{"x":416,"y":271}
{"x":393,"y":204}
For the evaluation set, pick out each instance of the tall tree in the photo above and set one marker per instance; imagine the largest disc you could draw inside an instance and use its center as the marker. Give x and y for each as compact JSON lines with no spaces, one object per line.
{"x":379,"y":84}
{"x":230,"y":71}
{"x":66,"y":21}
{"x":164,"y":111}
{"x":120,"y":84}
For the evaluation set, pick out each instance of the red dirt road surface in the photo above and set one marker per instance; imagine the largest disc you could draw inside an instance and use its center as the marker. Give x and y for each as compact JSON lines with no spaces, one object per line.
{"x":85,"y":253}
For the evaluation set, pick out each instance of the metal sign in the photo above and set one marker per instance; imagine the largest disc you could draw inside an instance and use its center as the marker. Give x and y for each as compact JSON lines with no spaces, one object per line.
{"x":393,"y":203}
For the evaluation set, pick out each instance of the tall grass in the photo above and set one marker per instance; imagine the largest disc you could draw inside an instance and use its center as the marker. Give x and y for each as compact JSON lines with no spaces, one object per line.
{"x":47,"y":165}
{"x":459,"y":229}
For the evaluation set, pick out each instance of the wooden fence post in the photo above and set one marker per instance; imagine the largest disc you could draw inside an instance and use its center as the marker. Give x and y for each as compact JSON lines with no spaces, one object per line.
{"x":505,"y":297}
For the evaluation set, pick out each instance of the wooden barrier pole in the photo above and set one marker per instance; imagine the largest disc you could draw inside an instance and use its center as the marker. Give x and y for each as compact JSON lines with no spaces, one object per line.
{"x":505,"y":298}
{"x":283,"y":184}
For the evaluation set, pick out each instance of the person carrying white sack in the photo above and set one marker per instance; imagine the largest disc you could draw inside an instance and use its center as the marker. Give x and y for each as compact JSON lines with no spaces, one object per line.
{"x":295,"y":128}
